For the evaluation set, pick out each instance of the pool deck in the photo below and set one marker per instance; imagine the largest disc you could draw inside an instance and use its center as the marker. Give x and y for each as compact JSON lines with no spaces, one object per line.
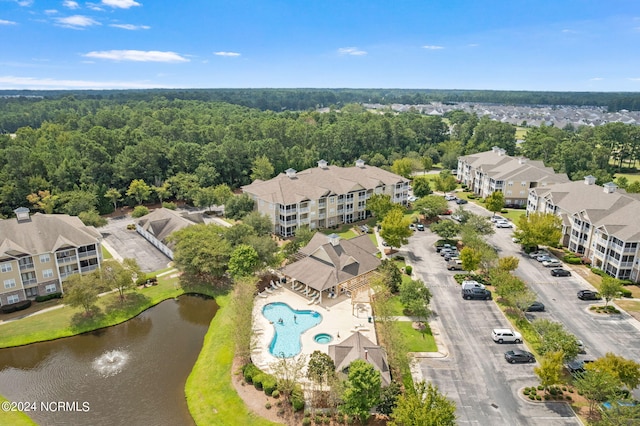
{"x":337,"y":320}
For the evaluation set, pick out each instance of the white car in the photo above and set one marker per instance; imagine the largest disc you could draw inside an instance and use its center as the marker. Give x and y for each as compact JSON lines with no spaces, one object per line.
{"x":503,"y":224}
{"x":450,"y":197}
{"x":497,"y":218}
{"x":553,"y":263}
{"x":506,"y":335}
{"x":412,"y":199}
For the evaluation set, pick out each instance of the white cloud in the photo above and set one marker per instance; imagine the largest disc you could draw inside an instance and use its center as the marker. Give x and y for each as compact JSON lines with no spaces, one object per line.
{"x":5,"y":22}
{"x":50,"y":12}
{"x":11,"y":82}
{"x":634,"y":78}
{"x":70,"y":4}
{"x":131,"y":27}
{"x":568,"y":31}
{"x":121,"y":4}
{"x":226,"y":53}
{"x":354,"y":51}
{"x":137,"y":56}
{"x":77,"y":21}
{"x":25,"y":3}
{"x":432,"y":47}
{"x":596,"y":79}
{"x":473,"y":45}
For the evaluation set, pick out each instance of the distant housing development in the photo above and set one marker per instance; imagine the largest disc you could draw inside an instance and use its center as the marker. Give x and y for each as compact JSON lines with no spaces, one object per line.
{"x":324,"y":196}
{"x":38,"y":252}
{"x":486,"y":172}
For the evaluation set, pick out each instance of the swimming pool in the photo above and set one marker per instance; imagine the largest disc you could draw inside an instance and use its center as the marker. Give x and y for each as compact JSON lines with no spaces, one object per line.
{"x":286,"y":340}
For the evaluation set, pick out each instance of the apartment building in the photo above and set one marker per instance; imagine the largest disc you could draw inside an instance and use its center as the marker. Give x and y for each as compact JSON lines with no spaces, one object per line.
{"x":490,"y":171}
{"x":38,"y":252}
{"x":599,"y":222}
{"x":323,"y":196}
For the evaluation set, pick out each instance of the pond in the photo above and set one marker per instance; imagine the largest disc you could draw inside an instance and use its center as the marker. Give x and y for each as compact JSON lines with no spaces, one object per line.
{"x":130,"y":374}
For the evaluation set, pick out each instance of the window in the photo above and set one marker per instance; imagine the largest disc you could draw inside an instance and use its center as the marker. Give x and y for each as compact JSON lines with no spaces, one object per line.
{"x":510,"y":183}
{"x":10,"y":283}
{"x":522,"y":192}
{"x":508,"y":192}
{"x":523,"y":183}
{"x":5,"y":267}
{"x":45,"y":258}
{"x":14,"y":298}
{"x":51,"y":288}
{"x":47,"y":273}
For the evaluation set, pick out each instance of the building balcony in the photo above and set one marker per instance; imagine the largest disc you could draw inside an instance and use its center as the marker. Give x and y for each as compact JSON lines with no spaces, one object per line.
{"x":287,"y":212}
{"x":288,"y":222}
{"x":322,"y":216}
{"x":26,"y":266}
{"x":88,"y":268}
{"x":64,"y":275}
{"x":85,"y":254}
{"x":30,"y":281}
{"x":66,"y":260}
{"x":304,"y":210}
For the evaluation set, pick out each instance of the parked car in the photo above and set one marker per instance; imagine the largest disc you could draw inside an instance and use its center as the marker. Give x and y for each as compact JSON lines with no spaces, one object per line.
{"x":537,"y":253}
{"x":450,"y":255}
{"x":518,"y":355}
{"x":445,"y":250}
{"x":536,"y":307}
{"x":553,"y":263}
{"x":505,"y":335}
{"x":447,"y":212}
{"x":468,"y":284}
{"x":455,"y":265}
{"x":476,"y":293}
{"x":588,"y":295}
{"x":449,"y":197}
{"x":577,"y":365}
{"x":364,"y":228}
{"x":412,"y":226}
{"x":581,"y":347}
{"x":497,"y":218}
{"x":461,"y":201}
{"x":544,"y":258}
{"x":503,"y":224}
{"x":420,"y":227}
{"x":559,"y":272}
{"x":442,"y":247}
{"x":385,"y":244}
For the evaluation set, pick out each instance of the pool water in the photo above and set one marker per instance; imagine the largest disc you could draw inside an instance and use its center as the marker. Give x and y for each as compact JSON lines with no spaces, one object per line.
{"x":323,"y":338}
{"x":286,"y":340}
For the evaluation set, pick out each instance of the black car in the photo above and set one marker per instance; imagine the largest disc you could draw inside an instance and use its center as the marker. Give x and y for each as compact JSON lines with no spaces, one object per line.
{"x":518,"y":355}
{"x":535,"y":307}
{"x":461,"y":201}
{"x":588,"y":295}
{"x":476,"y":293}
{"x":559,"y":272}
{"x":577,"y":365}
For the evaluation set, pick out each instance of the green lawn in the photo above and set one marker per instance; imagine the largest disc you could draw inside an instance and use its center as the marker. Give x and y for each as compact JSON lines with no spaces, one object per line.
{"x":415,"y":340}
{"x":211,"y":398}
{"x":632,"y":177}
{"x":14,"y":418}
{"x":396,"y":306}
{"x":106,"y":254}
{"x":345,"y":231}
{"x":521,"y":132}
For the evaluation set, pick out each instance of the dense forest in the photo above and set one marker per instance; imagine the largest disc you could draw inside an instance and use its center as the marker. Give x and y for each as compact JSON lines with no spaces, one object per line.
{"x":17,"y":112}
{"x":76,"y":149}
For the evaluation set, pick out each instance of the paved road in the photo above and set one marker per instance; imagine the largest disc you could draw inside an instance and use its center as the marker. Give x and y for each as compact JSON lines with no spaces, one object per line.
{"x":475,"y":374}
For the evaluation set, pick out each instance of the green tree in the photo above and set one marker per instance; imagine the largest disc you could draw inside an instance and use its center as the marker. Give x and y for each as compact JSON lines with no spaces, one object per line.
{"x":362,"y":390}
{"x":427,"y":163}
{"x":478,"y":224}
{"x":77,"y":201}
{"x":403,"y":167}
{"x":596,"y":387}
{"x":391,"y":275}
{"x":523,"y":299}
{"x":201,"y":250}
{"x":139,"y":190}
{"x":81,"y":291}
{"x":445,"y":181}
{"x":223,"y":194}
{"x":184,"y":186}
{"x":555,"y":338}
{"x":262,"y":168}
{"x":470,"y":259}
{"x":625,"y":370}
{"x":508,"y":263}
{"x":43,"y":200}
{"x":239,"y":206}
{"x":321,"y":368}
{"x":610,"y":288}
{"x":423,"y":405}
{"x":539,"y":229}
{"x":550,"y":369}
{"x":113,"y":195}
{"x":121,"y":276}
{"x":261,"y":224}
{"x":163,"y":191}
{"x":421,"y":186}
{"x":395,"y":227}
{"x":92,"y":218}
{"x":205,"y":197}
{"x":415,"y":298}
{"x":431,"y":206}
{"x":446,"y":229}
{"x":495,"y":202}
{"x":379,"y":205}
{"x":506,"y":284}
{"x":243,"y":261}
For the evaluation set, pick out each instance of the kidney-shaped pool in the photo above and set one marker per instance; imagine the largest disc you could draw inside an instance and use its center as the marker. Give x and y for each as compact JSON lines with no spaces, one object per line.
{"x":289,"y":325}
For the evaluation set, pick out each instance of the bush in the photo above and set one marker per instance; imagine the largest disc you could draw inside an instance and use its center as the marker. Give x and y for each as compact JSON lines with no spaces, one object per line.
{"x":538,"y":398}
{"x":307,"y":413}
{"x":275,"y":394}
{"x":504,"y":211}
{"x":139,"y":211}
{"x":169,"y":205}
{"x":257,"y":380}
{"x":532,"y":397}
{"x":269,"y":384}
{"x":540,"y":387}
{"x":267,"y":406}
{"x":568,"y":398}
{"x":598,"y":271}
{"x":408,"y":269}
{"x":249,"y":371}
{"x":306,"y":421}
{"x":547,"y":397}
{"x":625,"y":293}
{"x":48,"y":297}
{"x":297,"y":400}
{"x":318,"y":419}
{"x":571,"y":259}
{"x":327,"y":420}
{"x":131,"y":227}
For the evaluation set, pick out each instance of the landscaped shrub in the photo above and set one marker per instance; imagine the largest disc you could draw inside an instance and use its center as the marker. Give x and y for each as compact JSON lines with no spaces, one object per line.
{"x":571,"y":260}
{"x":504,"y":211}
{"x":257,"y":380}
{"x":297,"y":399}
{"x":625,"y":293}
{"x":276,"y":393}
{"x":169,"y":205}
{"x":327,"y":420}
{"x":547,"y":397}
{"x":267,"y":406}
{"x":306,"y":421}
{"x":538,"y":398}
{"x":318,"y":419}
{"x":249,"y":371}
{"x":46,"y":297}
{"x":408,"y":269}
{"x":532,"y":396}
{"x":540,"y":387}
{"x":269,"y":384}
{"x":139,"y":211}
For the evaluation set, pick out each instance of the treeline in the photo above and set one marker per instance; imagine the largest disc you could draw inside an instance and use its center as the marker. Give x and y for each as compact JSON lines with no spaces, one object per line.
{"x":16,"y":105}
{"x":88,"y":146}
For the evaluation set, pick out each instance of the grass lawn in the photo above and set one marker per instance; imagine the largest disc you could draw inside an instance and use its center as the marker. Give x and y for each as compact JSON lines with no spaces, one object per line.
{"x":68,"y":321}
{"x":632,"y":177}
{"x":395,"y":306}
{"x":628,"y":305}
{"x":14,"y":418}
{"x":211,"y":398}
{"x":106,"y":254}
{"x":513,"y":214}
{"x":521,"y":132}
{"x":345,"y":231}
{"x":415,"y":340}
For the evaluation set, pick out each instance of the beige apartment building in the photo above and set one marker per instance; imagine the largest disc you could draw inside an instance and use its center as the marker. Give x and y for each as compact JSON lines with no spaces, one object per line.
{"x":599,"y":222}
{"x":323,"y":196}
{"x":38,"y":252}
{"x":489,"y":171}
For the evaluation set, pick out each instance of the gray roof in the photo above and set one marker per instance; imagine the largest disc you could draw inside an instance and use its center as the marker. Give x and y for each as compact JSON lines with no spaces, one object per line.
{"x":616,"y":212}
{"x":163,"y":222}
{"x":317,"y":182}
{"x":44,"y":233}
{"x":357,"y":346}
{"x":504,"y":167}
{"x":325,"y":265}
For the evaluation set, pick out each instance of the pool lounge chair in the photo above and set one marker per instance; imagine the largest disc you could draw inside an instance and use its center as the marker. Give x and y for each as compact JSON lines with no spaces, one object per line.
{"x":273,"y":286}
{"x":261,"y":294}
{"x":268,"y":290}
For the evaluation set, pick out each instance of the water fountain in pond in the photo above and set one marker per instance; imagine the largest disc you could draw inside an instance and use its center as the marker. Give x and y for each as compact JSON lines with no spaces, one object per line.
{"x":110,"y":363}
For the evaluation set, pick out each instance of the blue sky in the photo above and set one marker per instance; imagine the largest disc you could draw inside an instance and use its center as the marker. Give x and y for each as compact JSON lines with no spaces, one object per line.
{"x":560,"y":45}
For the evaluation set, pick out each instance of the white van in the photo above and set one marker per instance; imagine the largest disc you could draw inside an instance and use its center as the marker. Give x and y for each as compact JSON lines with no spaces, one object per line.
{"x":454,"y":264}
{"x":467,"y":284}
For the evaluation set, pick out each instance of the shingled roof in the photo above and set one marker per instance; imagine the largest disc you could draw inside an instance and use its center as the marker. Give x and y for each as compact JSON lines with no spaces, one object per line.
{"x":328,"y":263}
{"x":163,"y":222}
{"x":43,"y":233}
{"x":357,"y":346}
